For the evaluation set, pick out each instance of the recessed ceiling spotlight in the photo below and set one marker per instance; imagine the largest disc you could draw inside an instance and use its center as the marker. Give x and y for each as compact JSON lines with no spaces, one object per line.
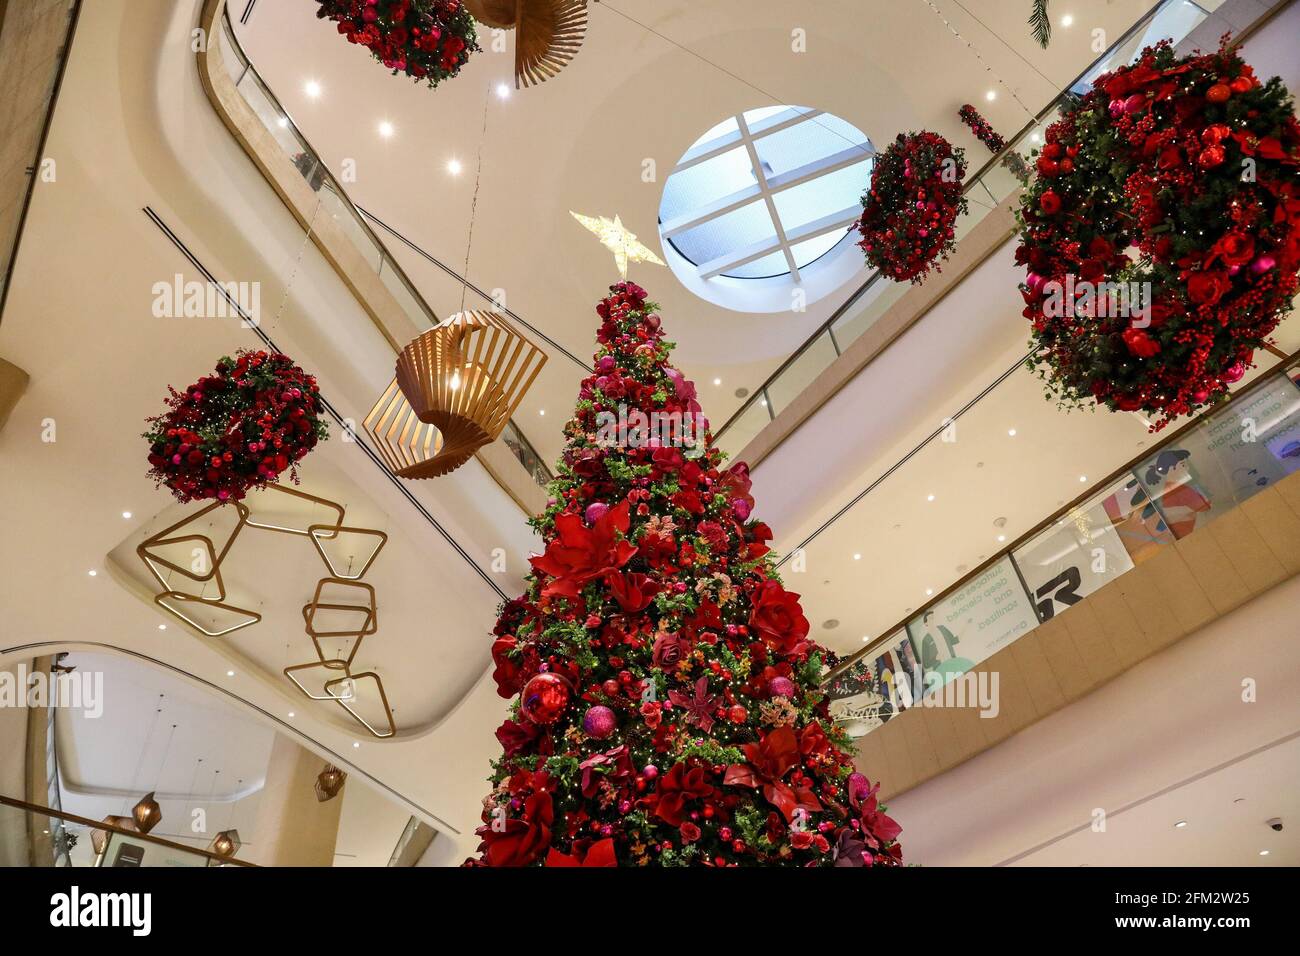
{"x":454,"y":167}
{"x":503,"y":91}
{"x":1083,"y":478}
{"x":1011,"y":432}
{"x":1263,"y":852}
{"x":865,"y":638}
{"x":92,"y":572}
{"x":1067,"y":20}
{"x":1002,"y":537}
{"x":126,"y":514}
{"x":1180,"y":824}
{"x":541,"y":411}
{"x":230,"y":673}
{"x":929,"y":591}
{"x":857,"y":557}
{"x":356,"y":744}
{"x":292,"y":714}
{"x":991,"y":95}
{"x":386,"y":129}
{"x":162,"y":627}
{"x":312,"y":89}
{"x":929,"y":497}
{"x":717,"y":381}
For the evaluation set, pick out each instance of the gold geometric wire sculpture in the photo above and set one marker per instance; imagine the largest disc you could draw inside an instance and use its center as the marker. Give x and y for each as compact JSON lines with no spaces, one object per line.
{"x":153,"y":553}
{"x":454,"y":391}
{"x":550,"y":33}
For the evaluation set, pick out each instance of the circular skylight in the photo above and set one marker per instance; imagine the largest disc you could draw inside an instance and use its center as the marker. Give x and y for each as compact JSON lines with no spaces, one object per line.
{"x":764,"y":195}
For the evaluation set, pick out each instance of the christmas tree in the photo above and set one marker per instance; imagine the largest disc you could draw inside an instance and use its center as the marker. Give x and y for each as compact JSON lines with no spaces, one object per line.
{"x":667,"y":701}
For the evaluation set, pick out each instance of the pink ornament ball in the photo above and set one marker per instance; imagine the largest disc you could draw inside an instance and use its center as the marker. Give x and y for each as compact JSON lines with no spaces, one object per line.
{"x":599,"y":722}
{"x":780,"y":687}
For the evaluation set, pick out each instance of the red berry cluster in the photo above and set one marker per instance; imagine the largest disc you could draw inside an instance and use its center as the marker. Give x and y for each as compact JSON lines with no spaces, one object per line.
{"x":254,"y":418}
{"x":909,"y":212}
{"x":1180,"y":177}
{"x":427,"y":40}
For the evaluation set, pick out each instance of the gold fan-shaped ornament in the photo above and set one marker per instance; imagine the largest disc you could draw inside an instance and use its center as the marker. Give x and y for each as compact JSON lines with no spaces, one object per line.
{"x":456,"y":387}
{"x":550,"y":33}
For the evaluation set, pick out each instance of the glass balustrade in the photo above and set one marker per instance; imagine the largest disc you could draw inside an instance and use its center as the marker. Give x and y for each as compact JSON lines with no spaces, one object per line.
{"x":1178,"y":485}
{"x":333,"y":203}
{"x":33,"y":836}
{"x":990,"y":186}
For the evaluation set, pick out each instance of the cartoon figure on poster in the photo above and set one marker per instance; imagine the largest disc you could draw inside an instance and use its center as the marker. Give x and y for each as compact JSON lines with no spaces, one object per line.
{"x":1172,"y":482}
{"x":940,"y":661}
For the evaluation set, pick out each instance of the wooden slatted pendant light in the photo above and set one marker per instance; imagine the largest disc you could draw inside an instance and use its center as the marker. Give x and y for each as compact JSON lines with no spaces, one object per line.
{"x":550,"y":33}
{"x":455,"y":388}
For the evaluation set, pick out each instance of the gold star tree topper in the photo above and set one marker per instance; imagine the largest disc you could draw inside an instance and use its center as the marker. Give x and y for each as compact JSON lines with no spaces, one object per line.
{"x":614,"y":236}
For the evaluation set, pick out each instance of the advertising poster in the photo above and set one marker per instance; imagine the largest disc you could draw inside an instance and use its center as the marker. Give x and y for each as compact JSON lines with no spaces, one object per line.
{"x":1070,"y":560}
{"x":982,"y":617}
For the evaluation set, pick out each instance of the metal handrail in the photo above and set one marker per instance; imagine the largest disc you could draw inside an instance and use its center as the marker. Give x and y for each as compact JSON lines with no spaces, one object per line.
{"x":874,"y":646}
{"x":825,"y":329}
{"x":113,"y":828}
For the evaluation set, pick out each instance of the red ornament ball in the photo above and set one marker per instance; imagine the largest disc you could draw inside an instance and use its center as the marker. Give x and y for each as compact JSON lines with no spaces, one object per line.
{"x":545,"y":698}
{"x":738,"y":714}
{"x":599,"y":722}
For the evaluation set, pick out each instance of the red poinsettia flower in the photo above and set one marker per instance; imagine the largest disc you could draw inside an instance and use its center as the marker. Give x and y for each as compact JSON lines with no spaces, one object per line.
{"x":778,"y":619}
{"x":508,"y":674}
{"x":678,"y":785}
{"x":879,"y":828}
{"x":774,"y":756}
{"x":600,"y":853}
{"x":515,"y":737}
{"x":578,"y":554}
{"x":633,"y":591}
{"x":613,"y":766}
{"x":519,"y":841}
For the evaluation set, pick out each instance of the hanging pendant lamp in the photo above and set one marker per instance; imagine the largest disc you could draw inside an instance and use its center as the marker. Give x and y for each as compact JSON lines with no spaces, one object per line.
{"x":329,"y":782}
{"x":550,"y":33}
{"x":456,"y":387}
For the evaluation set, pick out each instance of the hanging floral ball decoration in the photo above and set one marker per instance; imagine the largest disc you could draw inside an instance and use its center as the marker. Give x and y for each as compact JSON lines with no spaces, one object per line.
{"x":914,"y":200}
{"x":1162,"y":234}
{"x":254,"y":418}
{"x":428,"y":40}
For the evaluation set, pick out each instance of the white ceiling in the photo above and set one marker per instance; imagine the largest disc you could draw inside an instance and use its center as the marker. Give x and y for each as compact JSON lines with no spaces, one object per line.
{"x":131,"y":747}
{"x":639,"y":92}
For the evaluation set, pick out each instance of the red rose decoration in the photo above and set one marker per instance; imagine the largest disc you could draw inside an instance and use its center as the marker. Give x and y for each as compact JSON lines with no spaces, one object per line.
{"x":1206,"y":288}
{"x":1049,"y":203}
{"x":1141,"y":344}
{"x":778,"y":619}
